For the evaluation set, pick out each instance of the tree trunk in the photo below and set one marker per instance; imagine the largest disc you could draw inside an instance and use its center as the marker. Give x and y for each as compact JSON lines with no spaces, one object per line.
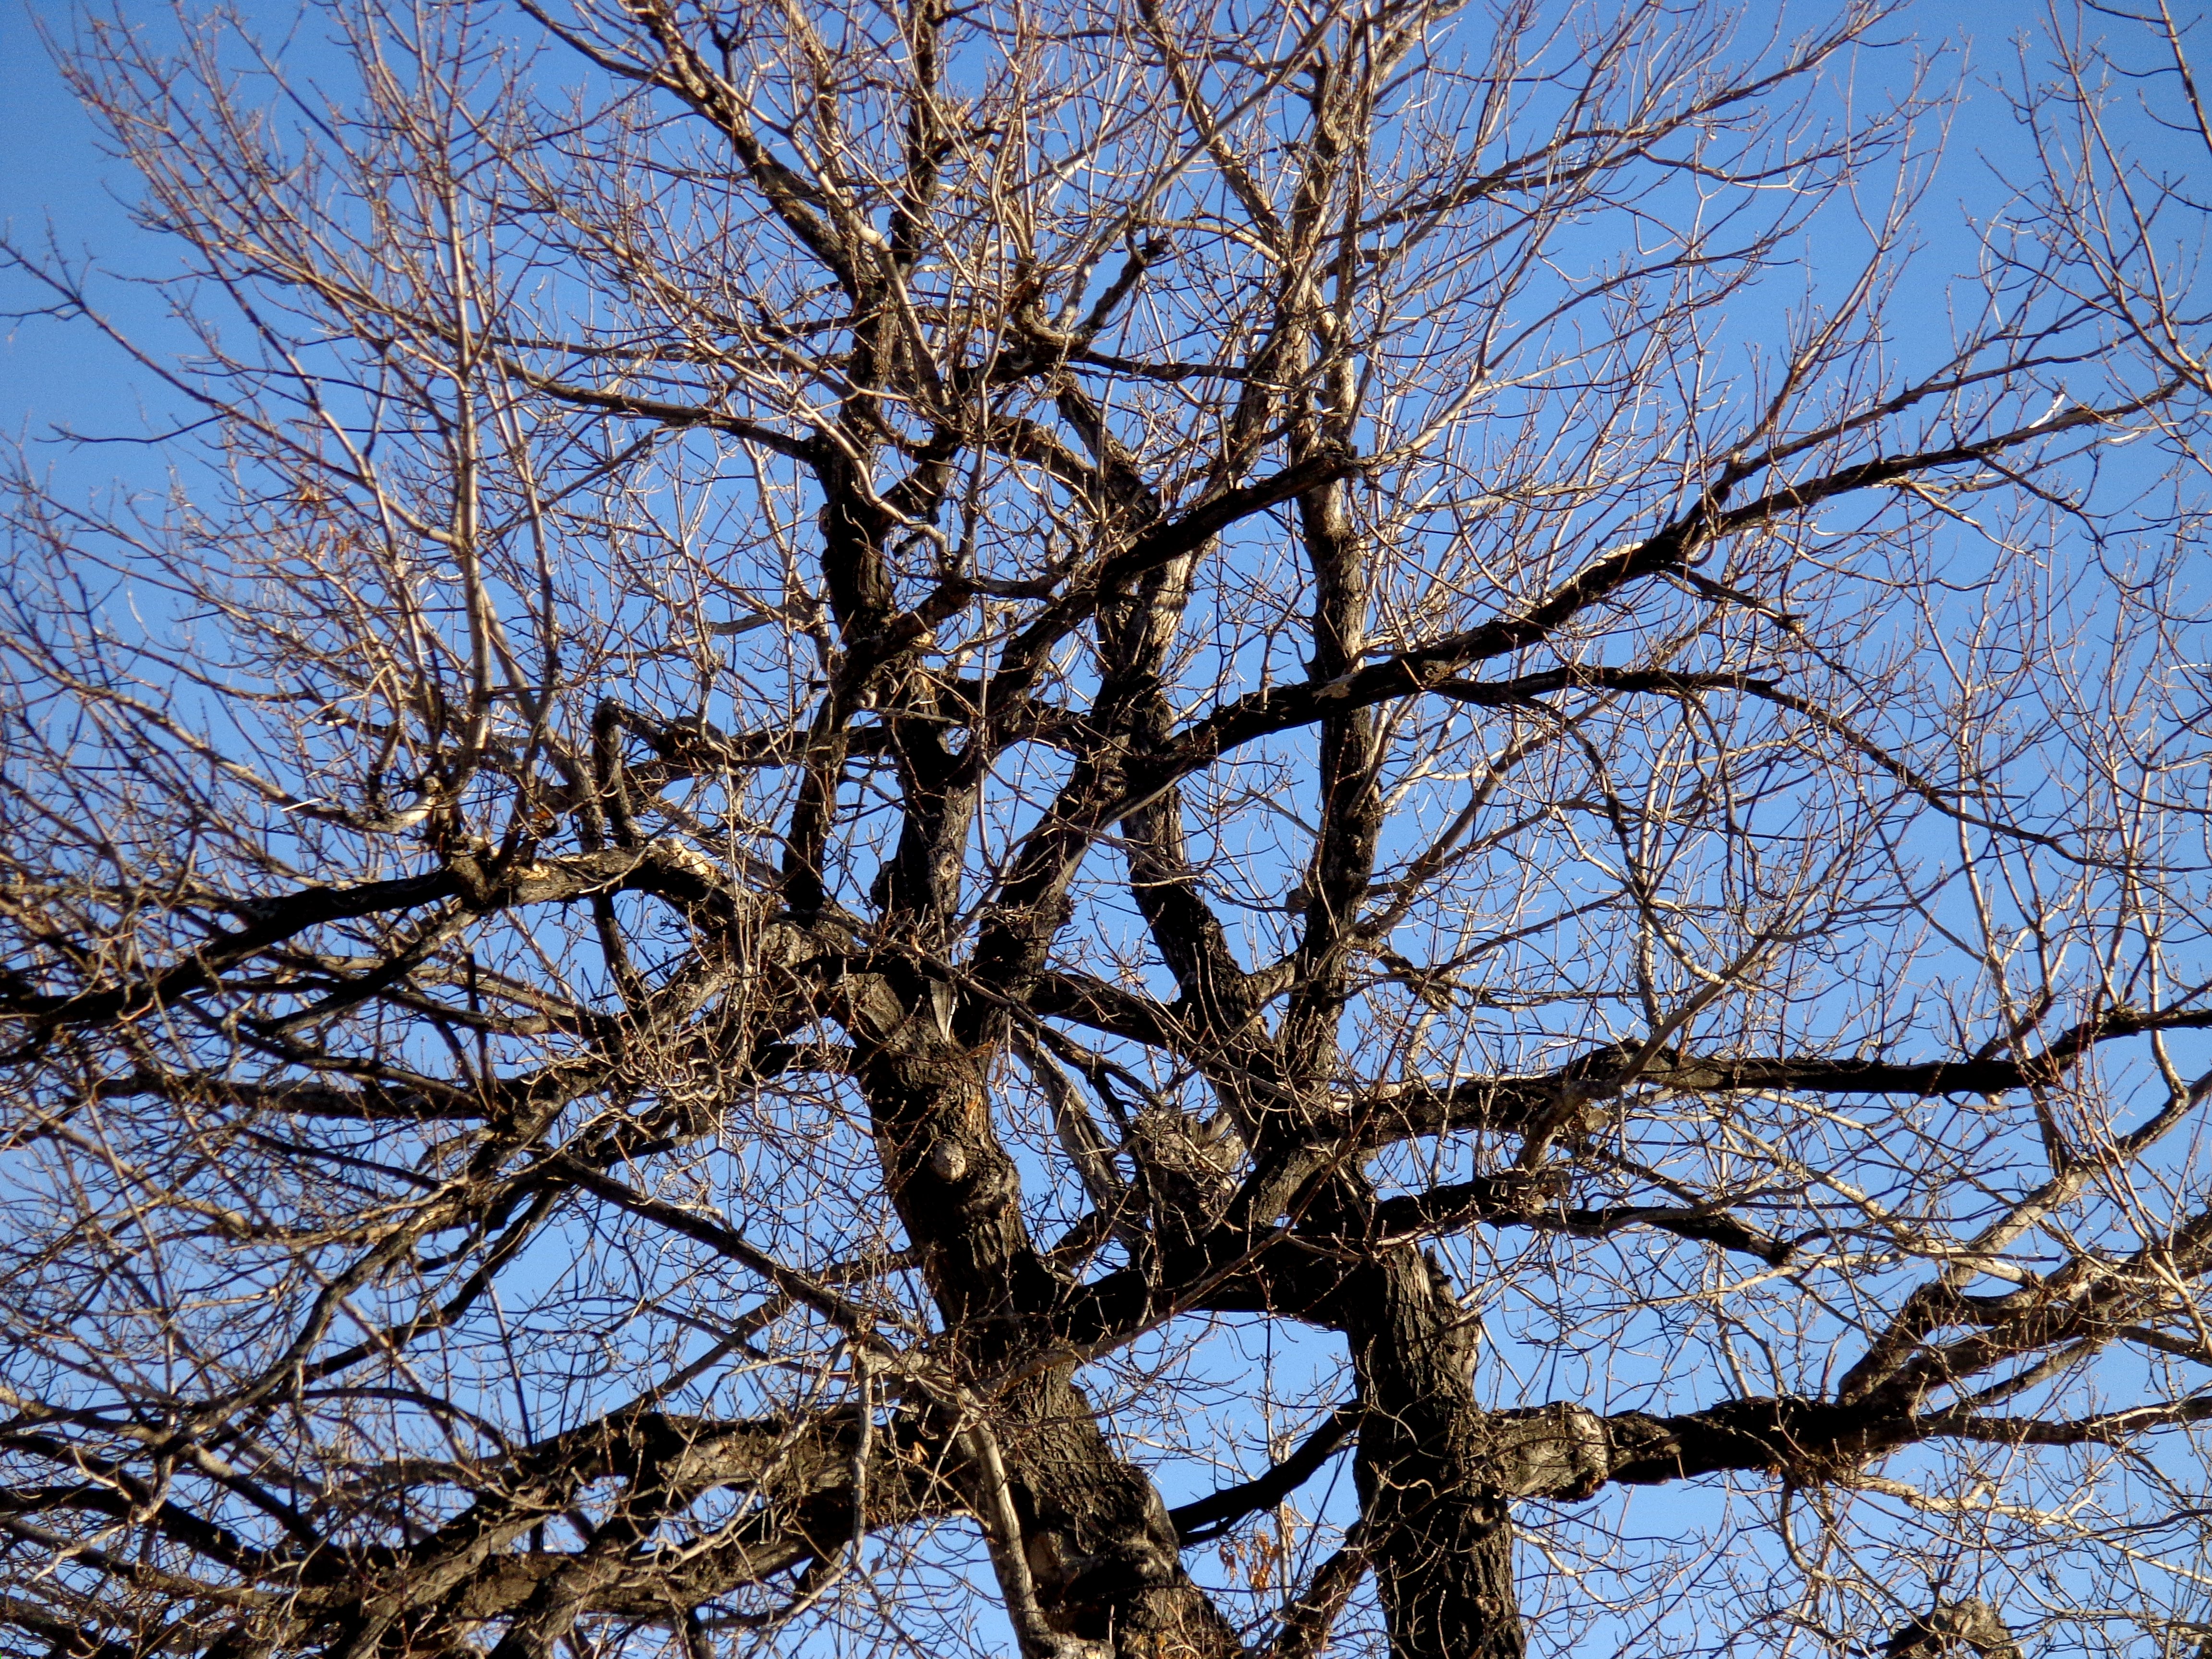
{"x":1101,"y":1548}
{"x":1440,"y":1536}
{"x":1101,"y":1553}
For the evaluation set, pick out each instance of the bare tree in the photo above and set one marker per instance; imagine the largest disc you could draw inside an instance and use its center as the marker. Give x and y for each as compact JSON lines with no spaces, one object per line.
{"x":909,"y":802}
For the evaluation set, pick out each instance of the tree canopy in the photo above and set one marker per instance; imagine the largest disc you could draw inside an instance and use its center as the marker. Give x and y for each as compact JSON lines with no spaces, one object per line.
{"x":1155,"y":832}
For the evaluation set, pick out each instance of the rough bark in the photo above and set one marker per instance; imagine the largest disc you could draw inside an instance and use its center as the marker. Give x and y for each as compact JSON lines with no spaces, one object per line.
{"x":1101,"y":1555}
{"x":1439,"y":1532}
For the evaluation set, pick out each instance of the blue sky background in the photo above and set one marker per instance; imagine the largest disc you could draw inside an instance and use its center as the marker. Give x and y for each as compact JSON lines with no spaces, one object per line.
{"x":52,"y":174}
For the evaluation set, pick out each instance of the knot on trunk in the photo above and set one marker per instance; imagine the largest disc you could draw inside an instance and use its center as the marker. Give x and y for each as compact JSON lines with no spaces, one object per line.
{"x":1559,"y":1451}
{"x":1190,"y":1167}
{"x":1954,"y":1630}
{"x":948,"y":1160}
